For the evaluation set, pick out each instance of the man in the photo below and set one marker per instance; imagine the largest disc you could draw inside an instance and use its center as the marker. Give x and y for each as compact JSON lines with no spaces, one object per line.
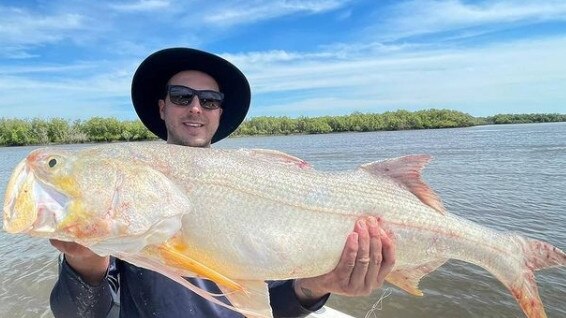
{"x":193,"y":98}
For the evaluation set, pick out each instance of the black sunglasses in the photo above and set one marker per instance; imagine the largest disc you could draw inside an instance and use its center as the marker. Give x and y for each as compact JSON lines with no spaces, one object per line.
{"x":183,"y":96}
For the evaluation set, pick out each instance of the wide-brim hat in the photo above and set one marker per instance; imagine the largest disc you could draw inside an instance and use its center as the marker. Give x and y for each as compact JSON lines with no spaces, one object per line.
{"x":150,"y":79}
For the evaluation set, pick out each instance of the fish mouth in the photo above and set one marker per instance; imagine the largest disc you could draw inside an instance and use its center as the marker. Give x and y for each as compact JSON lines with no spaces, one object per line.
{"x":19,"y":212}
{"x":30,"y":205}
{"x":51,"y":208}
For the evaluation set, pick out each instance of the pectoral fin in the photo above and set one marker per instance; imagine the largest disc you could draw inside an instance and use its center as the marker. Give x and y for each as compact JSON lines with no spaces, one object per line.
{"x":261,"y":308}
{"x":247,"y":296}
{"x":408,"y":279}
{"x":172,"y":252}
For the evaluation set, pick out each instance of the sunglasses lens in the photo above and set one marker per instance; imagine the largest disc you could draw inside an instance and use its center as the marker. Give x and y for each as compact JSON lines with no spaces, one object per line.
{"x":181,"y":95}
{"x":210,"y":99}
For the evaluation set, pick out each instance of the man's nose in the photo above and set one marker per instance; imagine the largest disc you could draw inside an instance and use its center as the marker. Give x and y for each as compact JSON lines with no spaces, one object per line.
{"x":194,"y":106}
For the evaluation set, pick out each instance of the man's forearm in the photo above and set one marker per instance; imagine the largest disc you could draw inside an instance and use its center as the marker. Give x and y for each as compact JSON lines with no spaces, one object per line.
{"x":72,"y":296}
{"x":284,"y":301}
{"x":91,"y":269}
{"x":306,"y":294}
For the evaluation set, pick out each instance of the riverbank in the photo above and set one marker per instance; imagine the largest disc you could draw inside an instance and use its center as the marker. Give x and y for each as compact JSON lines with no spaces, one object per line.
{"x":23,"y":132}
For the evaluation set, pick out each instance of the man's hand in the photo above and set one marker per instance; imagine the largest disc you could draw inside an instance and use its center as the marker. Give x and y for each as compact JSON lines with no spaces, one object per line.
{"x":368,"y":257}
{"x":91,"y":267}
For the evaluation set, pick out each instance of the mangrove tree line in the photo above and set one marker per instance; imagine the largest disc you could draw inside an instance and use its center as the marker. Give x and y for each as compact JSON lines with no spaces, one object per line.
{"x":17,"y":132}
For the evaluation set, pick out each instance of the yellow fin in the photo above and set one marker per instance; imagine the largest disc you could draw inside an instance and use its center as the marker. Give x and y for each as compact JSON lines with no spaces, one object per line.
{"x":173,"y":254}
{"x":151,"y":263}
{"x":408,"y":279}
{"x":254,"y":299}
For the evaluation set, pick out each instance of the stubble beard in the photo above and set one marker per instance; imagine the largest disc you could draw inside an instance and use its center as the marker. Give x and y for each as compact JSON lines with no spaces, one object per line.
{"x":187,"y":141}
{"x":176,"y":139}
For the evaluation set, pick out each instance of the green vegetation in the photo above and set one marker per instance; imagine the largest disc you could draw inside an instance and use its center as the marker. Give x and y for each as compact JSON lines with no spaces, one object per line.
{"x":398,"y":120}
{"x":19,"y":132}
{"x":525,"y":118}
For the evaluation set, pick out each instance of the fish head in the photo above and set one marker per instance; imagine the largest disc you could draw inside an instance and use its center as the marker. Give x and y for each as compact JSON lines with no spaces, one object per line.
{"x":90,"y":196}
{"x":45,"y":196}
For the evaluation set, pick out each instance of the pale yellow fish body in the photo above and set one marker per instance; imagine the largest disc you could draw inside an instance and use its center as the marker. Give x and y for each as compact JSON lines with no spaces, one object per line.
{"x":240,"y":217}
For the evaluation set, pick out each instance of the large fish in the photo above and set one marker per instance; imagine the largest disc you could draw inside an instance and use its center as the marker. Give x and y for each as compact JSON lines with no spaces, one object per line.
{"x":240,"y":217}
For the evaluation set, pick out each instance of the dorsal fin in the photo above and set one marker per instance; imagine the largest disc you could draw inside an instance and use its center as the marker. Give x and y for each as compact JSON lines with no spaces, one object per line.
{"x":277,"y":157}
{"x":406,"y":171}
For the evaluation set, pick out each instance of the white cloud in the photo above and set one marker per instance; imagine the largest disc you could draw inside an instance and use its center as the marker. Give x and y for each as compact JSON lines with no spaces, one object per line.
{"x":20,"y":28}
{"x":261,"y":58}
{"x":75,"y":91}
{"x":319,"y":106}
{"x":497,"y":78}
{"x":230,"y":13}
{"x":141,"y":5}
{"x":344,"y":15}
{"x":47,"y":69}
{"x":432,"y":16}
{"x":15,"y":52}
{"x":325,"y":78}
{"x":506,"y":77}
{"x":81,"y":26}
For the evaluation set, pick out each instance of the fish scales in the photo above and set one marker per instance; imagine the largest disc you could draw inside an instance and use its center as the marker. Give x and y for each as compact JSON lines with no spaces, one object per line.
{"x":240,"y":217}
{"x":285,"y":191}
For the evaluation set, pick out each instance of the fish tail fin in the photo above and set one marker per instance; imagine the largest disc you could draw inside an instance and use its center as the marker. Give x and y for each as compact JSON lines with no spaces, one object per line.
{"x":540,"y":255}
{"x":536,"y":255}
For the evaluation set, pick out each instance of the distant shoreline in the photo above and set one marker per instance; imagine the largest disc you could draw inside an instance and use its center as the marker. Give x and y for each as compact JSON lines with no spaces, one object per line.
{"x":25,"y":132}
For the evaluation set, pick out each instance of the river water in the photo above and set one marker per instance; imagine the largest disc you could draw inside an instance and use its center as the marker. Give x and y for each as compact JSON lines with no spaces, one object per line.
{"x":507,"y":177}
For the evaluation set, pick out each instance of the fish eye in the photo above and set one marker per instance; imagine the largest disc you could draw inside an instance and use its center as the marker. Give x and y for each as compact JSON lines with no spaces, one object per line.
{"x":52,"y":163}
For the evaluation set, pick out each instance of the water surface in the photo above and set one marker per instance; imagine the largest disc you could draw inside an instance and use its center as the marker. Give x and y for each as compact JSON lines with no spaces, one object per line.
{"x":508,"y":177}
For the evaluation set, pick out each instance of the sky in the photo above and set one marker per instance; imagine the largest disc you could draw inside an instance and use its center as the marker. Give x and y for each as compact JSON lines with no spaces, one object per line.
{"x":74,"y":59}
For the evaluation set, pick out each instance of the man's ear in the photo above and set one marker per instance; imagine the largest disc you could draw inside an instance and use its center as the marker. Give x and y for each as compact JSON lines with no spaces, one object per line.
{"x":220,"y":111}
{"x":161,"y":104}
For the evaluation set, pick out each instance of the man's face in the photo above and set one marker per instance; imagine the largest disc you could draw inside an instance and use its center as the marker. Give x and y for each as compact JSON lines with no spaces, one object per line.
{"x":190,"y":125}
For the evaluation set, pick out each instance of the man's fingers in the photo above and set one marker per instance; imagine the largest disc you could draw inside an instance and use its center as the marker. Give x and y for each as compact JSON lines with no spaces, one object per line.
{"x":375,"y":254}
{"x":388,"y":252}
{"x":347,"y":262}
{"x":367,"y":258}
{"x":358,"y":278}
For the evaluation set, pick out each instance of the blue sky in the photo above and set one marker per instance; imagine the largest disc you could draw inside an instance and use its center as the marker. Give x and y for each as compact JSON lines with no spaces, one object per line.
{"x":75,"y":58}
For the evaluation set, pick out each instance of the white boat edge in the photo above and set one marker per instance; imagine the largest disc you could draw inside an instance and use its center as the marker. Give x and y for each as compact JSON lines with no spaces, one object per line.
{"x":327,"y":312}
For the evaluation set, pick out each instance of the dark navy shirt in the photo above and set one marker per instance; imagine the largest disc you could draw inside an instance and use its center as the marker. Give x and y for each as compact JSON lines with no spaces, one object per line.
{"x":131,"y":291}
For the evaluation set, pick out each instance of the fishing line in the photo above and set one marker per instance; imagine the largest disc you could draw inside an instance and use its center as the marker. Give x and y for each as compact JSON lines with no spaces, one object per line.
{"x":378,"y":304}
